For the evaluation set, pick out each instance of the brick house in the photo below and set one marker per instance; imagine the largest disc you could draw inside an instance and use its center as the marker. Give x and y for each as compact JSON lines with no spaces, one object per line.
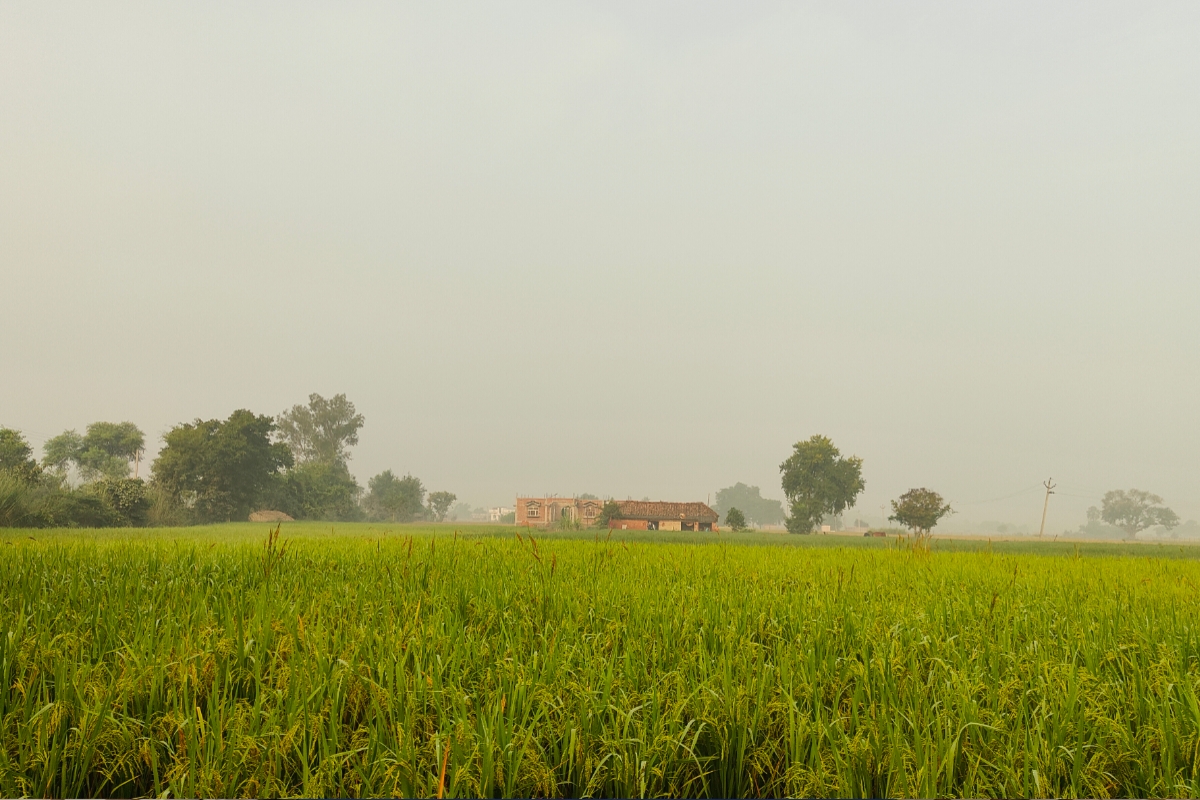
{"x":544,"y":512}
{"x":635,"y":515}
{"x":644,"y":515}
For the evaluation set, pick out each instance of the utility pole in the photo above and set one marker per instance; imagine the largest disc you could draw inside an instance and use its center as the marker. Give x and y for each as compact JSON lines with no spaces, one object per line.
{"x":1049,"y":491}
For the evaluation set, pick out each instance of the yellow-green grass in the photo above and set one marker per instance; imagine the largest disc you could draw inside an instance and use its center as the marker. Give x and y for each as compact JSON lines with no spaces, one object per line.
{"x":389,"y":660}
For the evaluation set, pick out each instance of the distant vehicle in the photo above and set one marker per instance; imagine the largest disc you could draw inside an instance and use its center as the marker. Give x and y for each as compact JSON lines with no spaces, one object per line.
{"x":880,"y":534}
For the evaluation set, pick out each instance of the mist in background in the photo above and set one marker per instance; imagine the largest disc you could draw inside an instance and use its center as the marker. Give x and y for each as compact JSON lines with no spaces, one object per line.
{"x":622,"y":249}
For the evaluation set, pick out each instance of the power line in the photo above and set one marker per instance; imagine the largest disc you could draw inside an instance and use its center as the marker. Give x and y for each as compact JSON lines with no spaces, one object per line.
{"x":1005,"y":497}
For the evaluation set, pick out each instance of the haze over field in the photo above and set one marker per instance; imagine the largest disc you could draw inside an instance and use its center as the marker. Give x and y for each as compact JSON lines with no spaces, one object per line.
{"x":621,"y":249}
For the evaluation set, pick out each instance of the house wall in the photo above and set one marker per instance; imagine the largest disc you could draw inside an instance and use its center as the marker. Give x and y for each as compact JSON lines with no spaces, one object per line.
{"x":551,"y":511}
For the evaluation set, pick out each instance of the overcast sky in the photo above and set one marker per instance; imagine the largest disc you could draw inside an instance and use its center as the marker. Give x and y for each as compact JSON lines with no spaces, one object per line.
{"x":628,"y":249}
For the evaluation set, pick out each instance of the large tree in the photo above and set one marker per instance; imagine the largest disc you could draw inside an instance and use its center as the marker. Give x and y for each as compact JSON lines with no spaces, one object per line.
{"x":16,"y":456}
{"x":818,"y":481}
{"x":316,"y":490}
{"x":749,"y":500}
{"x":919,"y":510}
{"x":221,"y":469}
{"x":395,"y":499}
{"x":1135,"y":510}
{"x":105,"y":451}
{"x":322,"y":431}
{"x":439,"y":504}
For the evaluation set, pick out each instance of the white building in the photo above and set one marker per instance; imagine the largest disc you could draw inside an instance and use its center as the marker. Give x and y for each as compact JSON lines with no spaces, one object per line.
{"x":495,"y":514}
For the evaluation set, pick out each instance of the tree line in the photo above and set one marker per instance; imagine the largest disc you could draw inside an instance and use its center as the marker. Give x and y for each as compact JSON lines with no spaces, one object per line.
{"x":820,"y":484}
{"x":213,"y":470}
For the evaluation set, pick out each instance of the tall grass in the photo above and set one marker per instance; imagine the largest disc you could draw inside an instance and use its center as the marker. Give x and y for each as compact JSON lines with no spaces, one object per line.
{"x":496,"y":666}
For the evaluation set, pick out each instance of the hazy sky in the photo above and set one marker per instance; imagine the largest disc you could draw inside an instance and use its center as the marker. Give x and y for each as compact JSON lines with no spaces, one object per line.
{"x":629,"y":249}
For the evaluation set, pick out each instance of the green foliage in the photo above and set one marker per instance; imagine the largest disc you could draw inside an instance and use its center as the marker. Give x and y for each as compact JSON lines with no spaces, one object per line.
{"x":439,"y":504}
{"x":756,"y":508}
{"x":509,"y":518}
{"x":61,"y":507}
{"x":323,"y":431}
{"x":15,"y":452}
{"x":818,"y":481}
{"x":608,"y":512}
{"x":735,"y":519}
{"x":16,"y":502}
{"x":220,"y":470}
{"x":1135,"y":510}
{"x":919,"y":510}
{"x":354,"y":666}
{"x":395,"y":499}
{"x":16,"y":457}
{"x":103,"y":452}
{"x":164,"y":508}
{"x":316,"y":490}
{"x":61,"y":451}
{"x":48,"y":502}
{"x":126,"y":497}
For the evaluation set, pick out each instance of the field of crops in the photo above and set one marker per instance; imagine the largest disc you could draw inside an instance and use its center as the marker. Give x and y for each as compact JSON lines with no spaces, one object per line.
{"x":417,"y":662}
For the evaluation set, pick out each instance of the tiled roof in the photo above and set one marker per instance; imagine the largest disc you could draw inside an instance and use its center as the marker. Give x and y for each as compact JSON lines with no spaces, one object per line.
{"x":688,"y":512}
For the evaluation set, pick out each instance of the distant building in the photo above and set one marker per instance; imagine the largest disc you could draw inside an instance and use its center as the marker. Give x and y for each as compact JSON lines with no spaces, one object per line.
{"x":497,"y":514}
{"x":633,"y":515}
{"x":644,"y":515}
{"x":543,"y":512}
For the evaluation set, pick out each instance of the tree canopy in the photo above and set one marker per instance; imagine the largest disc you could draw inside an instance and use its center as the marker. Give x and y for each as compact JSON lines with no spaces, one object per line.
{"x":919,"y":510}
{"x":395,"y":499}
{"x":439,"y":504}
{"x":749,"y":500}
{"x":735,"y":519}
{"x":316,"y":490}
{"x":220,"y":470}
{"x":1135,"y":510}
{"x":104,"y":451}
{"x":608,"y":512}
{"x":322,"y":431}
{"x":818,"y":481}
{"x":16,"y":456}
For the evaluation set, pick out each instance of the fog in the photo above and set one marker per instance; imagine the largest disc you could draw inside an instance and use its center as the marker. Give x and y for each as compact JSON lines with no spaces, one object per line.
{"x":622,"y":249}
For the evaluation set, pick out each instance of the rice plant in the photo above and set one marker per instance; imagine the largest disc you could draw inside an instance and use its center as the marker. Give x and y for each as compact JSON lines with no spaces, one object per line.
{"x":378,"y":662}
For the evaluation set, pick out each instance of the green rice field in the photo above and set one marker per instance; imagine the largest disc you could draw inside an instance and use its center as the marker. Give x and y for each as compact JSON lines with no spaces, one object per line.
{"x":421,"y":661}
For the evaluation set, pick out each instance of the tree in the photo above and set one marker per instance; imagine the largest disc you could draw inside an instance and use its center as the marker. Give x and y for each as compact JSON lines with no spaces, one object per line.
{"x":221,"y":469}
{"x":735,"y":519}
{"x":818,"y":481}
{"x":1135,"y":510}
{"x":316,"y":490}
{"x":439,"y":504}
{"x":16,"y":457}
{"x":400,"y":499}
{"x":105,"y":451}
{"x":322,"y":431}
{"x":756,"y":508}
{"x":919,"y":510}
{"x":127,"y":497}
{"x":608,"y":512}
{"x":61,"y":451}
